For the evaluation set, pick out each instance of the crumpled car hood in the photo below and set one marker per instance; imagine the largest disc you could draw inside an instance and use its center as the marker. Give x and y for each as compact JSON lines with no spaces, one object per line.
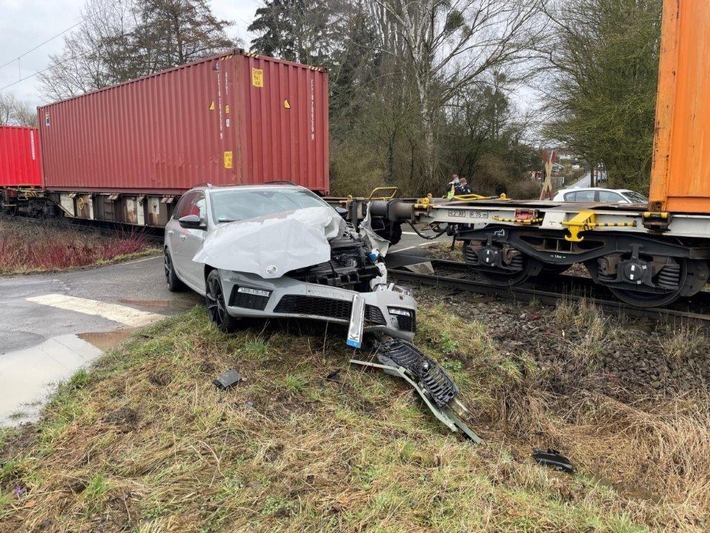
{"x":273,"y":245}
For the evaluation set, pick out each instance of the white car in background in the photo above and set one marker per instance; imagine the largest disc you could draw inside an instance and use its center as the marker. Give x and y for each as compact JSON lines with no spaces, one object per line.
{"x":596,"y":194}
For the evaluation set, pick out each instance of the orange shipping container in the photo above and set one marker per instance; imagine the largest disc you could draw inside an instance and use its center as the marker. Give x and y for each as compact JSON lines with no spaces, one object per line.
{"x":680,"y":179}
{"x":228,"y":119}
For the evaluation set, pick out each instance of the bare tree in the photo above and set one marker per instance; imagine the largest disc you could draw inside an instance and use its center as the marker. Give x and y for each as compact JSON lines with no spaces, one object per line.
{"x":92,"y":57}
{"x":445,"y":46}
{"x":123,"y":39}
{"x":14,"y":112}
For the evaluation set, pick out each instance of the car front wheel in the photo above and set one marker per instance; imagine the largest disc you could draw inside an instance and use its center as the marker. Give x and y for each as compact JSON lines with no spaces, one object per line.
{"x":216,"y":307}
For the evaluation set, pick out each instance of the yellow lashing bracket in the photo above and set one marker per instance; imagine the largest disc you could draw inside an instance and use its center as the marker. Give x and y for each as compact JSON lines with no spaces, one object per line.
{"x":524,"y":221}
{"x":587,"y":220}
{"x":423,"y":203}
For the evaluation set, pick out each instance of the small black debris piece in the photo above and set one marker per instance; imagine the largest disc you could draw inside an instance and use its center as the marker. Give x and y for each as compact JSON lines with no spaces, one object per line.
{"x":228,"y":379}
{"x":334,"y":376}
{"x":428,"y":372}
{"x":553,"y":459}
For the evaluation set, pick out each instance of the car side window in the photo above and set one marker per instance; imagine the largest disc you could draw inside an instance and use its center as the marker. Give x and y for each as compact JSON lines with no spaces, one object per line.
{"x":183,"y":207}
{"x":610,"y":197}
{"x":570,"y":196}
{"x":584,"y":196}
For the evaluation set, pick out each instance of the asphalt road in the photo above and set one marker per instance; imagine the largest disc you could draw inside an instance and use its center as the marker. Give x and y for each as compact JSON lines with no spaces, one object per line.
{"x":27,"y":320}
{"x":53,"y":324}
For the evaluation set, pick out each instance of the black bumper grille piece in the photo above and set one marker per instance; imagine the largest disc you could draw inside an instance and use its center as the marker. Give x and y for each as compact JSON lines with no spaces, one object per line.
{"x":315,"y":306}
{"x":407,"y":323}
{"x":423,"y":369}
{"x":373,"y":315}
{"x":248,"y":301}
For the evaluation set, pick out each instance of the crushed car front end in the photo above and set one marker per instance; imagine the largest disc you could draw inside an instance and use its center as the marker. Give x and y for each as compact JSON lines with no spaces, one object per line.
{"x":389,"y":310}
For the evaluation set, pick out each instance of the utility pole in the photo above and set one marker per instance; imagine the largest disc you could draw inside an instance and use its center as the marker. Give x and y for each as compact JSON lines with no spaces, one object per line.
{"x":548,"y":157}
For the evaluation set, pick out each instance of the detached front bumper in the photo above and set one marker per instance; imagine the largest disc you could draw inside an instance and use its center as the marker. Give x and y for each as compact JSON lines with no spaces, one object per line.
{"x":386,"y":310}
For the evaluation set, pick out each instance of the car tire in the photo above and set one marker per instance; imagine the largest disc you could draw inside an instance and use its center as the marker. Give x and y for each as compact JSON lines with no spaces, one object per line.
{"x":216,"y":306}
{"x":174,"y":283}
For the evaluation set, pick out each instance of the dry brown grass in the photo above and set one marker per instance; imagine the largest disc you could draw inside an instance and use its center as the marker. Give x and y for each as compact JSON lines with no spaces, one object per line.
{"x":146,"y":443}
{"x":26,"y":246}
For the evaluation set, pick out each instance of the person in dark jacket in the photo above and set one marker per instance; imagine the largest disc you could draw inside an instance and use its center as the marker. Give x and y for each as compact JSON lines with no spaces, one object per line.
{"x":463,"y":187}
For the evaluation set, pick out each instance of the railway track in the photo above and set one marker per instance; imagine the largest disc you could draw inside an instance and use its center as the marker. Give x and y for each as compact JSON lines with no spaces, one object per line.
{"x":551,"y":289}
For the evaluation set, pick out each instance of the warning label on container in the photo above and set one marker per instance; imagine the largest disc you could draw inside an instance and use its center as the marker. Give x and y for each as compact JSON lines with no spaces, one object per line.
{"x":228,"y":159}
{"x":257,"y":77}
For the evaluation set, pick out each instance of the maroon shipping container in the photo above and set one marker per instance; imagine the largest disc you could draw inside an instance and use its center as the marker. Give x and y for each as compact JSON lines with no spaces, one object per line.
{"x":228,"y":119}
{"x":19,"y":157}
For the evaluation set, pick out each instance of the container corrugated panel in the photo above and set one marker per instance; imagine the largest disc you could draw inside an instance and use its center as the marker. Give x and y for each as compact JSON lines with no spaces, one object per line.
{"x":680,"y":179}
{"x":19,"y":157}
{"x":228,"y":119}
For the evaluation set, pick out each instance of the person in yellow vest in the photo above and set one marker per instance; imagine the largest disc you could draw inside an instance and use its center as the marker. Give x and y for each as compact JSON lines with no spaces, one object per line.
{"x":452,"y":186}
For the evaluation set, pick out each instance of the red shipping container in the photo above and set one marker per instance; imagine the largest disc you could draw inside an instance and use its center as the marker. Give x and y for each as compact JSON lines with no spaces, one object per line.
{"x":227,"y":119}
{"x":19,"y":157}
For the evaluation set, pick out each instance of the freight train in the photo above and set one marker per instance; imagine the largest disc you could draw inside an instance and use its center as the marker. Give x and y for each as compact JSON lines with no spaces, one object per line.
{"x":647,"y":255}
{"x":126,"y":153}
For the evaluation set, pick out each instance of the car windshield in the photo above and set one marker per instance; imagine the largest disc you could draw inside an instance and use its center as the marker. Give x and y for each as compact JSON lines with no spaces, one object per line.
{"x":240,"y":204}
{"x":636,"y":197}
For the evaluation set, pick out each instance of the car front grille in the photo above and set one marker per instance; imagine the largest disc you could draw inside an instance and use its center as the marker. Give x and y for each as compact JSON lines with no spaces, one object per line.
{"x":315,"y":306}
{"x":336,"y":309}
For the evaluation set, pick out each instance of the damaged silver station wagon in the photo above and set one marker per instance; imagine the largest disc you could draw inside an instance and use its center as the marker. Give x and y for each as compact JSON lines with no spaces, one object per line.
{"x":281,"y":251}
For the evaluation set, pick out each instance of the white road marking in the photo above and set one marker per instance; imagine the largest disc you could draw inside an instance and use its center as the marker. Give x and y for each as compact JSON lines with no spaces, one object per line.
{"x":408,"y":233}
{"x":403,"y":249}
{"x":117,"y":313}
{"x":411,"y":247}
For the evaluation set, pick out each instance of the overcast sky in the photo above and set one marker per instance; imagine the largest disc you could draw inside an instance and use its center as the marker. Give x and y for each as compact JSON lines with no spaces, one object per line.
{"x":25,"y":24}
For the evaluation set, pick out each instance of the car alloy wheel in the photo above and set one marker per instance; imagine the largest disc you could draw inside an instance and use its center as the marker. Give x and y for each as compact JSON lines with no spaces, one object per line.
{"x":216,"y":306}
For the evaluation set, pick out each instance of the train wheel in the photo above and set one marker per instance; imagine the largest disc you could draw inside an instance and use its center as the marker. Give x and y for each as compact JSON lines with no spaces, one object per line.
{"x":523,"y":267}
{"x":643,"y":295}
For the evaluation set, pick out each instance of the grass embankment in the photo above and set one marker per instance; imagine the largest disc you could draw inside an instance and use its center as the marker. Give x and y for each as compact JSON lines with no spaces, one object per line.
{"x":26,"y":246}
{"x":145,"y":442}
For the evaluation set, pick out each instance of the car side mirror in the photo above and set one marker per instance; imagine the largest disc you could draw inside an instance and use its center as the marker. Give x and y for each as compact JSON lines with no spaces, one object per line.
{"x":192,"y":222}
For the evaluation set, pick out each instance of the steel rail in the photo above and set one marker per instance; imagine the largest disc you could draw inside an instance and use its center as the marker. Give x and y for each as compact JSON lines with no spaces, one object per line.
{"x":526,"y":294}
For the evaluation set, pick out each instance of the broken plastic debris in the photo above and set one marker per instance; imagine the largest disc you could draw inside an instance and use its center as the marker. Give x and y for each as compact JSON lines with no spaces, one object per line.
{"x":432,"y":383}
{"x":228,"y":379}
{"x":553,"y":459}
{"x":334,"y":376}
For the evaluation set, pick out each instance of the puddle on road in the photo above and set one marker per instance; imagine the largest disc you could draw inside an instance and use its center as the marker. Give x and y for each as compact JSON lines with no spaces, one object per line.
{"x":108,"y":339}
{"x":30,"y":375}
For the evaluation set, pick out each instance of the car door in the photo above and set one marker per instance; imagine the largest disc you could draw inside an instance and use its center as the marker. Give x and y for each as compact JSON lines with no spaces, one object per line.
{"x":188,"y":240}
{"x":194,"y":237}
{"x":174,"y":235}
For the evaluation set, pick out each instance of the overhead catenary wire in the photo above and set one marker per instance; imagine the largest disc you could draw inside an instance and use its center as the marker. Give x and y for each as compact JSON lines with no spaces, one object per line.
{"x":41,"y":44}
